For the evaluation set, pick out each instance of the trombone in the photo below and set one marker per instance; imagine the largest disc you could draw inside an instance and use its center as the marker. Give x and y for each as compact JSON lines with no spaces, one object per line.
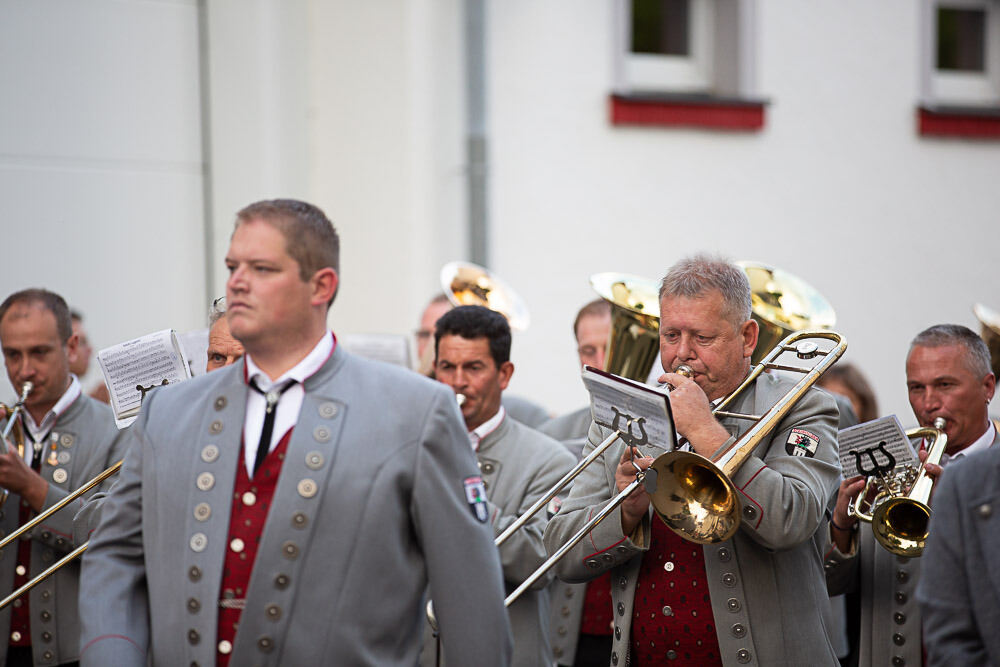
{"x":900,"y":512}
{"x":692,"y":495}
{"x":42,"y":517}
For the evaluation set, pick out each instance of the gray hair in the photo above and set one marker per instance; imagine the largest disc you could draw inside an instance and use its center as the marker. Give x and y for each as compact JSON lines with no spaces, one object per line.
{"x":977,"y":355}
{"x":694,"y":276}
{"x":216,"y":310}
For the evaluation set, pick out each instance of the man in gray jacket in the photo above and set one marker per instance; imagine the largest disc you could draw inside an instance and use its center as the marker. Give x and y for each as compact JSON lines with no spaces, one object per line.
{"x":70,"y":438}
{"x":293,"y":508}
{"x":759,"y":597}
{"x":518,"y":464}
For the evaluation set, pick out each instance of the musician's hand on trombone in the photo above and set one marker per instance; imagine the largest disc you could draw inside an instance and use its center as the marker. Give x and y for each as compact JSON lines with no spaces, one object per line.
{"x":692,"y":414}
{"x":637,"y":504}
{"x":18,"y":477}
{"x":843,"y":523}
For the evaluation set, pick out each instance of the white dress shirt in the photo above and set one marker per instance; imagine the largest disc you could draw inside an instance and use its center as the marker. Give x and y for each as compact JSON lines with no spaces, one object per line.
{"x":287,"y":409}
{"x":38,"y":432}
{"x":980,"y":445}
{"x":477,"y":434}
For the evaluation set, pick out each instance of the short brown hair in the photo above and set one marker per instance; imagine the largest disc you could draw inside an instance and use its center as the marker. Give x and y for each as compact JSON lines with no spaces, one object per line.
{"x":596,"y":308}
{"x":310,"y":238}
{"x":52,"y":302}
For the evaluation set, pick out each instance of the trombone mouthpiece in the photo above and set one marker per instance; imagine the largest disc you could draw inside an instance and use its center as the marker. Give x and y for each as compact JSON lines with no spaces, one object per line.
{"x":939,"y":423}
{"x":26,"y":389}
{"x":684,"y":370}
{"x":460,"y":399}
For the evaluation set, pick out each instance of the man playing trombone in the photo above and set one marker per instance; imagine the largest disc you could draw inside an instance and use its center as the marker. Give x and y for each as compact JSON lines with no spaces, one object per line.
{"x":759,"y":597}
{"x":68,"y":439}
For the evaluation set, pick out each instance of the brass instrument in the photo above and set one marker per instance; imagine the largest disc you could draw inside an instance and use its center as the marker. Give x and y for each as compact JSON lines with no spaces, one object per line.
{"x":634,"y":342}
{"x":42,"y":517}
{"x":15,"y":428}
{"x":468,"y":284}
{"x":900,"y":511}
{"x":692,"y":495}
{"x":782,"y":304}
{"x":989,"y":321}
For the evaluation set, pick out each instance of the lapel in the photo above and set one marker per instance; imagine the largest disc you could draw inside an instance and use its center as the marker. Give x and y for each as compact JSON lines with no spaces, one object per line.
{"x":291,"y":521}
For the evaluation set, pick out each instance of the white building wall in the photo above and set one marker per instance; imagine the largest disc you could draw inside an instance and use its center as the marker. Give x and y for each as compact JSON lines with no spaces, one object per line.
{"x":100,"y":160}
{"x":899,"y":232}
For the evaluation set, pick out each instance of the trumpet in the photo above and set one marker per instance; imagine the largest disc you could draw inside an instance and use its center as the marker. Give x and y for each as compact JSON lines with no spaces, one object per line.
{"x":900,"y":511}
{"x":14,"y":426}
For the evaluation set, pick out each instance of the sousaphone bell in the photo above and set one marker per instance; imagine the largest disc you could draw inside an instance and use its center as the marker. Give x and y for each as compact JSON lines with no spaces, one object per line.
{"x":989,"y":321}
{"x":634,"y":340}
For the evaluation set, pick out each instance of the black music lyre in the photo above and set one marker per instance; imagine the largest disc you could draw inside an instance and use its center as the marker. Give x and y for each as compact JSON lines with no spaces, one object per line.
{"x":877,"y":468}
{"x":630,"y":440}
{"x":142,"y":390}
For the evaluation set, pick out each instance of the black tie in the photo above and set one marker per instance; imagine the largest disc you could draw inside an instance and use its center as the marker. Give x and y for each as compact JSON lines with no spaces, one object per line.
{"x":271,"y":397}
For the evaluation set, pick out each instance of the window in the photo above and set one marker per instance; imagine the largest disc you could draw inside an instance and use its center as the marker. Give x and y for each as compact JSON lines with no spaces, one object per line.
{"x":962,"y":57}
{"x":685,"y":62}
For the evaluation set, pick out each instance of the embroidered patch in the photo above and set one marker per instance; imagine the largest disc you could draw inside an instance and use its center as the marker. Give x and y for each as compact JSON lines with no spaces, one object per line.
{"x":802,"y":443}
{"x":475,"y":494}
{"x":554,"y":506}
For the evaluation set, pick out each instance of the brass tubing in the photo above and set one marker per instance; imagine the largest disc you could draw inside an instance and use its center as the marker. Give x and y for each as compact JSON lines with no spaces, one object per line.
{"x":72,"y":555}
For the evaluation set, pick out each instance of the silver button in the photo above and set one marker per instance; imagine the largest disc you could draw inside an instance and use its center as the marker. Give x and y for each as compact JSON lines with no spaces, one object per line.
{"x":307,"y":488}
{"x":202,"y":511}
{"x":193,"y":636}
{"x":671,"y":654}
{"x":300,"y":520}
{"x":668,"y":566}
{"x":667,"y":611}
{"x":220,"y":403}
{"x":592,"y":563}
{"x":729,"y":579}
{"x":607,"y":558}
{"x":248,"y":498}
{"x":193,"y":605}
{"x":63,"y":458}
{"x":225,"y":647}
{"x":205,"y":481}
{"x":15,"y":636}
{"x":215,"y":427}
{"x":739,"y":631}
{"x":898,"y":639}
{"x":236,"y":544}
{"x":328,"y":410}
{"x":314,"y":460}
{"x":488,"y":468}
{"x":290,"y":550}
{"x":273,"y":612}
{"x":321,"y":434}
{"x":194,"y":574}
{"x":198,"y":542}
{"x":66,"y":440}
{"x":209,"y":453}
{"x":281,"y":581}
{"x":985,"y":510}
{"x":749,"y":512}
{"x":733,"y":605}
{"x":59,"y":475}
{"x":743,"y":656}
{"x":21,"y":571}
{"x":725,"y":555}
{"x":265,"y":644}
{"x":899,"y":618}
{"x":621,"y":609}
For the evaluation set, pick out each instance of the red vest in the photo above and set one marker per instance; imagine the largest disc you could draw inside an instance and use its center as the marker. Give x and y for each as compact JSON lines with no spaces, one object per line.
{"x":672,"y":621}
{"x":251,"y":502}
{"x":598,"y":615}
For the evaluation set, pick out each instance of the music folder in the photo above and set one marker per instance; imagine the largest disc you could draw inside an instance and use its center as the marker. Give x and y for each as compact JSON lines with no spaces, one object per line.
{"x":639,"y":412}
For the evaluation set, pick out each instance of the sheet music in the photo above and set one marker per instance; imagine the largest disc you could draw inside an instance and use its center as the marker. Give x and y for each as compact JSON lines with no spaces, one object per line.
{"x":869,"y":436}
{"x":641,"y":411}
{"x":147,"y":361}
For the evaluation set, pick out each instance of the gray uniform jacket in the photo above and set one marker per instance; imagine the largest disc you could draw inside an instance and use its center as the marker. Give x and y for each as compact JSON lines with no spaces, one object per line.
{"x":519,"y":465}
{"x":960,"y":597}
{"x":571,"y":430}
{"x":768,"y":594}
{"x":86,"y":442}
{"x":371,"y":506}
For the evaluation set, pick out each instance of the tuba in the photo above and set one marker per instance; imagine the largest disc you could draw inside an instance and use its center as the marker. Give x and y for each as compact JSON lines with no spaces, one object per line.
{"x":782,"y":304}
{"x":989,"y":321}
{"x":468,"y":284}
{"x":634,"y":342}
{"x":900,"y":511}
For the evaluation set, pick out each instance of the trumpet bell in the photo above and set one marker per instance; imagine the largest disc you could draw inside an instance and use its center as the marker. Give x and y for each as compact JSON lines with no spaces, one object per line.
{"x":634,"y":342}
{"x":900,"y":526}
{"x":782,"y":304}
{"x":989,"y":321}
{"x":694,"y":498}
{"x":469,"y":284}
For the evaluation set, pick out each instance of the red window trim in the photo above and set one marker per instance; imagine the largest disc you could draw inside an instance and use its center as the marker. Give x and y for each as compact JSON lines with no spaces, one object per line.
{"x":964,"y":122}
{"x":701,"y":111}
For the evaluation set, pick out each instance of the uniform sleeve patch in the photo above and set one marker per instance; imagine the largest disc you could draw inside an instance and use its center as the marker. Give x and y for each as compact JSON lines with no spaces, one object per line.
{"x":475,"y":494}
{"x":801,"y":443}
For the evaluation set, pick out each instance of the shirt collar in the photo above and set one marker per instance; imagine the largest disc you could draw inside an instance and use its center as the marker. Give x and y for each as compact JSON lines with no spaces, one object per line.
{"x":477,"y":434}
{"x":299,"y":372}
{"x":38,"y":431}
{"x":982,"y":443}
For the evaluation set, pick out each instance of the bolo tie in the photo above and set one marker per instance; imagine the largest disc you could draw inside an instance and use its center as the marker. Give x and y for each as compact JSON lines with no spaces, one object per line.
{"x":271,"y":397}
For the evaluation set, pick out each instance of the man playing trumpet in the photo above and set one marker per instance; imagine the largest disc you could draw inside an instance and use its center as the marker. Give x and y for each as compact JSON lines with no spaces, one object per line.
{"x":759,"y":597}
{"x":69,"y":439}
